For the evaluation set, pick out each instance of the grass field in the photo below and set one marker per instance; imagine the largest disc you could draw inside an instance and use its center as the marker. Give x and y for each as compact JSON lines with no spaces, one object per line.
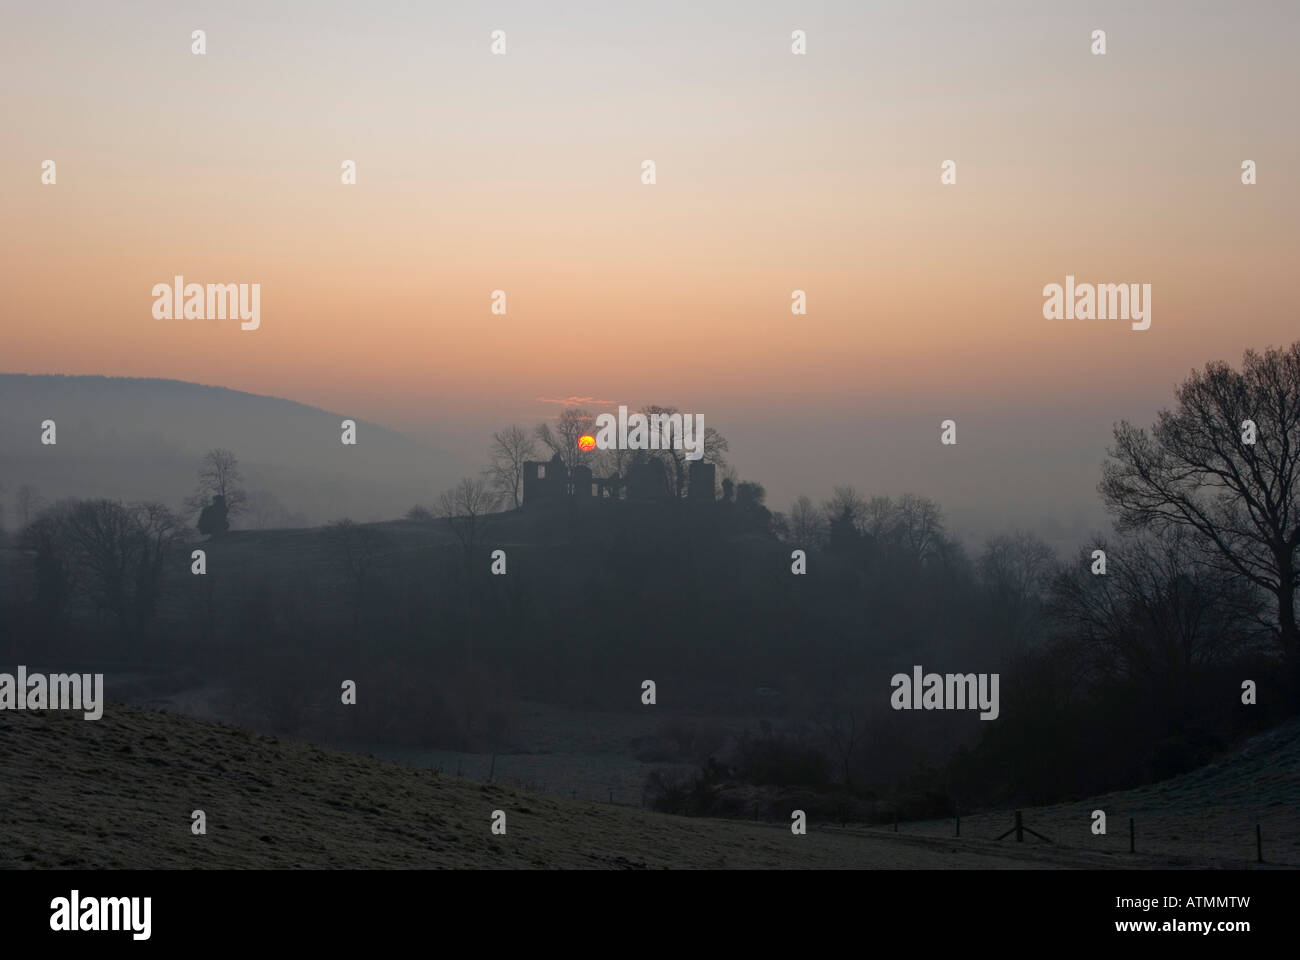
{"x":119,"y":793}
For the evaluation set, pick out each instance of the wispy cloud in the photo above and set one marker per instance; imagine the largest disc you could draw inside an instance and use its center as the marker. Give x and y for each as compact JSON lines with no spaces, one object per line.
{"x":578,"y":401}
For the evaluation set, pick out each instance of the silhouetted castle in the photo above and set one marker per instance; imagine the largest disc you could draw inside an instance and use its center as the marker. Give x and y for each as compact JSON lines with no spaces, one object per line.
{"x":646,"y":480}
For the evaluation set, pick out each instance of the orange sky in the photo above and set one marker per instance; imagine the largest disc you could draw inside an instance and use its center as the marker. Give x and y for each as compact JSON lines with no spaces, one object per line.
{"x":775,"y":172}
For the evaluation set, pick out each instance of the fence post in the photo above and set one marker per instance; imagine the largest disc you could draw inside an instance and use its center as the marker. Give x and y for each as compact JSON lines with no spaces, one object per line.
{"x":1131,"y":838}
{"x":958,"y":833}
{"x":1259,"y":845}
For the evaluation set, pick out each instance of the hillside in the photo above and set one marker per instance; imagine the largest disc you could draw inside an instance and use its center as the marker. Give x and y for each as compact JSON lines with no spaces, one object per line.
{"x":118,"y":793}
{"x":142,"y":439}
{"x":1205,"y":816}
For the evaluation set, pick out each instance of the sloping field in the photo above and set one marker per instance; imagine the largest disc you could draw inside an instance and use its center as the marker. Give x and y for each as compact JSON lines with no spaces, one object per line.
{"x":119,"y":793}
{"x":1203,"y":818}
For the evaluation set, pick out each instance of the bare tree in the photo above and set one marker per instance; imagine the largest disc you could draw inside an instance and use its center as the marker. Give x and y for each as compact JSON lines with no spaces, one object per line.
{"x":1015,"y":572}
{"x":464,"y":508}
{"x":219,"y":476}
{"x":846,"y":506}
{"x":29,"y":503}
{"x":843,"y":726}
{"x":159,"y":531}
{"x":919,"y":528}
{"x":511,"y":449}
{"x":563,"y":437}
{"x":1158,"y":613}
{"x":1196,"y":470}
{"x":120,"y":553}
{"x":47,"y":537}
{"x":676,"y":466}
{"x":807,"y":527}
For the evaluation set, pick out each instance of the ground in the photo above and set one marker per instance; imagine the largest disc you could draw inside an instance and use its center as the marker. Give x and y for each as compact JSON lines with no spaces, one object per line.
{"x":119,"y":793}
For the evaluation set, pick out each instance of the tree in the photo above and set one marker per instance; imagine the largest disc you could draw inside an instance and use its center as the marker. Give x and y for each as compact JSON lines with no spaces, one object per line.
{"x":159,"y":531}
{"x":219,"y":476}
{"x":511,"y":449}
{"x":46,"y":537}
{"x":846,"y":506}
{"x":1196,"y":471}
{"x":1014,"y":573}
{"x":119,"y":553}
{"x":1156,"y":616}
{"x":214,"y":519}
{"x":563,"y":438}
{"x":464,"y":508}
{"x":843,"y":727}
{"x":29,"y":503}
{"x":807,"y":528}
{"x":676,"y":466}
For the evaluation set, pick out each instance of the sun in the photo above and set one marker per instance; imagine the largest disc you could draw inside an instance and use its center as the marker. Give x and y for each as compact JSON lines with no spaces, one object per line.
{"x":586,"y":442}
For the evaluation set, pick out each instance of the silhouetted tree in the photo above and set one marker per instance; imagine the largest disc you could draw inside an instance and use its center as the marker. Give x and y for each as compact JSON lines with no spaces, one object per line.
{"x":1195,"y":470}
{"x":46,"y":537}
{"x":807,"y":527}
{"x":464,"y":508}
{"x":219,"y":476}
{"x":29,"y":503}
{"x":573,"y":422}
{"x":119,"y":552}
{"x":1157,"y":615}
{"x":845,"y":506}
{"x":511,"y":449}
{"x":1014,"y":573}
{"x":214,"y":518}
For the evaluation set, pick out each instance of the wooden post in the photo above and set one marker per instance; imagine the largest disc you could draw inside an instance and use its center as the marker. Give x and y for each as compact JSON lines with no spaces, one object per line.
{"x":1259,"y":845}
{"x":611,"y":794}
{"x":1020,"y":828}
{"x":958,"y":833}
{"x":1131,"y":839}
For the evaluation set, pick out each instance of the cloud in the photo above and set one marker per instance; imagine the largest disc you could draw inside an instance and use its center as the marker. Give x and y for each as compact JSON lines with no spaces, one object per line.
{"x":578,"y":401}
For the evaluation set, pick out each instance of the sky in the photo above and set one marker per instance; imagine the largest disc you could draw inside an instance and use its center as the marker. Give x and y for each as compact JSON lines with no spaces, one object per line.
{"x":774,"y":172}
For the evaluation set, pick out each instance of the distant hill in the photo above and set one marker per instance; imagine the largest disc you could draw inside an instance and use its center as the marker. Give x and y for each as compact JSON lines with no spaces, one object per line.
{"x":142,"y":439}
